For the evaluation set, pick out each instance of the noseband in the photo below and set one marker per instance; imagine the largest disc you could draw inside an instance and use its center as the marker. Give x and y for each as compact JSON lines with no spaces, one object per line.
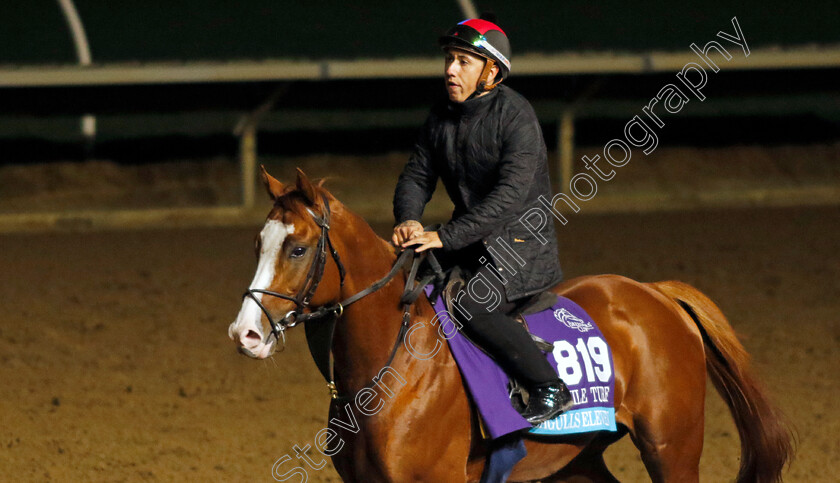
{"x":307,"y":290}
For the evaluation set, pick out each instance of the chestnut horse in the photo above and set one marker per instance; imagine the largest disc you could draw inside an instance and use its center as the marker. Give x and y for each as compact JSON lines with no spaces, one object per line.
{"x":666,"y":337}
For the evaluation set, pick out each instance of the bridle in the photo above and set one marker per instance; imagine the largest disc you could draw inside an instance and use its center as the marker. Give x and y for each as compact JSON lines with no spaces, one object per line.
{"x":307,"y":290}
{"x":320,"y":335}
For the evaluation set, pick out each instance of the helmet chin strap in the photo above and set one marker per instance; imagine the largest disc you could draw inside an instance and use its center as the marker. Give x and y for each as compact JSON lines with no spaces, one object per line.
{"x":484,"y":80}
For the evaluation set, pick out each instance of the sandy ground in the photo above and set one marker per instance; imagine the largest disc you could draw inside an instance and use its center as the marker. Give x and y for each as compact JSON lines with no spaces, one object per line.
{"x":115,"y":363}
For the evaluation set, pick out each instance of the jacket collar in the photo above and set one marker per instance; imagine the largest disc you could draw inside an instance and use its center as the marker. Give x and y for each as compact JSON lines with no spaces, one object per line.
{"x":476,"y":104}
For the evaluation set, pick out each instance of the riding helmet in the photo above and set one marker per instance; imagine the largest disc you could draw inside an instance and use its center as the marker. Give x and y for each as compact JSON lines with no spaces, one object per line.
{"x":483,"y":38}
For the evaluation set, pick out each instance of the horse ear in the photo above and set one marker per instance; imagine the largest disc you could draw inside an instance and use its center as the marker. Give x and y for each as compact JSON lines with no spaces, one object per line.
{"x":272,"y":185}
{"x":306,"y":187}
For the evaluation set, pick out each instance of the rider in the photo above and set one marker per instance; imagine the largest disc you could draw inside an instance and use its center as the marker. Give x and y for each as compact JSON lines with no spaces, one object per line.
{"x":486,"y":145}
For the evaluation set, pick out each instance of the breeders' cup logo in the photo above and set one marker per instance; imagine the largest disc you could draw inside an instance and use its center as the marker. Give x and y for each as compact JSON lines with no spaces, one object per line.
{"x":571,"y":321}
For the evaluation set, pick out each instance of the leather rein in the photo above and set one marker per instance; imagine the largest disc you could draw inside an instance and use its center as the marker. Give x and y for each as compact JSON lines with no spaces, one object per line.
{"x":320,"y":330}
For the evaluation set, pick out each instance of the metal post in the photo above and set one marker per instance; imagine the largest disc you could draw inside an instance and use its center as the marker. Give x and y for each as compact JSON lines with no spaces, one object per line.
{"x":566,"y":147}
{"x":248,"y":164}
{"x":468,"y":9}
{"x":80,"y":41}
{"x":246,"y":130}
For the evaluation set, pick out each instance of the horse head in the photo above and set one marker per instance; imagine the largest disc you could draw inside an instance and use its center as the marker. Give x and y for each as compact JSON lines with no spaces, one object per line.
{"x":293,"y":269}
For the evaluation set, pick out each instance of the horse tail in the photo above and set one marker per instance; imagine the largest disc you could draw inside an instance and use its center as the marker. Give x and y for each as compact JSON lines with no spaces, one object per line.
{"x":766,"y":437}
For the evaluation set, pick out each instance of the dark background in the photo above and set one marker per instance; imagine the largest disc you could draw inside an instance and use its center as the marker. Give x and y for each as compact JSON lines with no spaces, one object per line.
{"x":139,"y":123}
{"x":158,"y":30}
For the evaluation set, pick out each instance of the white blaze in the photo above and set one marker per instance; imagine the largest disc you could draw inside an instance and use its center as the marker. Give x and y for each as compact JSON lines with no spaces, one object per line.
{"x":272,"y":236}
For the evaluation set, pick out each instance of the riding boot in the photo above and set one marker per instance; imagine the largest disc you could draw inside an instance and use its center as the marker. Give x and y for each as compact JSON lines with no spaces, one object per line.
{"x":512,"y":347}
{"x":547,"y":401}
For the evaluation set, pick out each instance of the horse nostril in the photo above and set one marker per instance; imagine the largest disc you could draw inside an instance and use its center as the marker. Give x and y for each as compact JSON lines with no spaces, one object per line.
{"x":250,"y":339}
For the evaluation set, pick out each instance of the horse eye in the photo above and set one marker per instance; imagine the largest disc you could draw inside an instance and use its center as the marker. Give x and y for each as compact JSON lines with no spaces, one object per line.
{"x":298,"y":252}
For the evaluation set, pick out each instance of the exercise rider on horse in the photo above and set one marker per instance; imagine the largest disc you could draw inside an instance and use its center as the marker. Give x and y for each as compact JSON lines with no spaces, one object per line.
{"x":486,"y":145}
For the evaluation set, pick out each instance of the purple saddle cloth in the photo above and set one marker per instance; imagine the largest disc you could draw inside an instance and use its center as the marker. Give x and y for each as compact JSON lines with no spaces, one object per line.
{"x":581,"y":357}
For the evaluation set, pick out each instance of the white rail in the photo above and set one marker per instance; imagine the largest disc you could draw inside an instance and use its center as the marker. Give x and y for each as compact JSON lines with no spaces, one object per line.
{"x":807,"y":57}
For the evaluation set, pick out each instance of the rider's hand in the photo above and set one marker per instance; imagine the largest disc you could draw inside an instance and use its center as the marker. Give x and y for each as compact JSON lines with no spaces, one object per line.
{"x":405,"y":231}
{"x":426,"y":240}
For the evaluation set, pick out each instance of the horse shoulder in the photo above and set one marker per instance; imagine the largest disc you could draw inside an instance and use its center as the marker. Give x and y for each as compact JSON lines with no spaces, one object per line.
{"x":431,"y":390}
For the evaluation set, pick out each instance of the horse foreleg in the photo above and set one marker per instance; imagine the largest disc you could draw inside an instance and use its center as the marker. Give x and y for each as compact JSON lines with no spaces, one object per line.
{"x":421,"y":435}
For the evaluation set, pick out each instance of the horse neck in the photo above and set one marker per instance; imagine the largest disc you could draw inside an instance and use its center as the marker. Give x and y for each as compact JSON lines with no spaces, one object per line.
{"x":368,"y":329}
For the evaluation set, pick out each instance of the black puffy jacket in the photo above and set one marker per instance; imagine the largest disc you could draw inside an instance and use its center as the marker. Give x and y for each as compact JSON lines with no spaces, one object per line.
{"x":490,"y":154}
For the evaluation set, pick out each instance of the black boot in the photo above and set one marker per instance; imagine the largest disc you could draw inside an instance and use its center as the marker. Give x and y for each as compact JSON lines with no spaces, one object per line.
{"x":547,"y":401}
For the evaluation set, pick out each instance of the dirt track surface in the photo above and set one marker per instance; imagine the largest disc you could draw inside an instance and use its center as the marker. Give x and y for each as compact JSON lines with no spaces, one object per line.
{"x":116,"y":366}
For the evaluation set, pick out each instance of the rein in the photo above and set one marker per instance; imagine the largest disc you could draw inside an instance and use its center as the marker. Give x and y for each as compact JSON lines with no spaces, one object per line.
{"x":320,"y":330}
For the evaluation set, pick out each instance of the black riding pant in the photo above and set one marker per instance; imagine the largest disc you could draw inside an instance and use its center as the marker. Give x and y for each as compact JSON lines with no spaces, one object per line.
{"x":493,"y":328}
